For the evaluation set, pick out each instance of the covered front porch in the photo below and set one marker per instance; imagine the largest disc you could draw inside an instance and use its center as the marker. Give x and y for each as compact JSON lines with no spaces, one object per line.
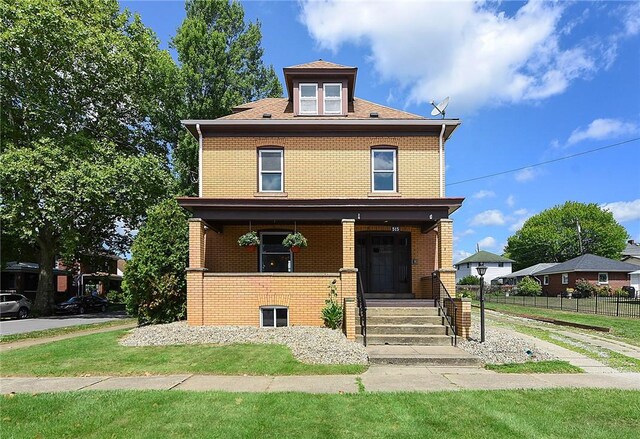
{"x":388,"y":248}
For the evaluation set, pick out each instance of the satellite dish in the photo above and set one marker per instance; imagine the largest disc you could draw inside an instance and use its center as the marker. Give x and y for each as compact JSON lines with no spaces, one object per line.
{"x":440,"y":108}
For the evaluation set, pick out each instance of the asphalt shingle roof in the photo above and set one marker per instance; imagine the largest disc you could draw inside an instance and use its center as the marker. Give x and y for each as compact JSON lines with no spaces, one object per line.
{"x":590,"y":262}
{"x":319,"y":64}
{"x":631,"y":250}
{"x":484,"y":256}
{"x":530,"y":271}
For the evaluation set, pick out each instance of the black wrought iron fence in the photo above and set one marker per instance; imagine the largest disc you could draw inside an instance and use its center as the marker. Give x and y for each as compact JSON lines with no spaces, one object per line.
{"x":618,"y":305}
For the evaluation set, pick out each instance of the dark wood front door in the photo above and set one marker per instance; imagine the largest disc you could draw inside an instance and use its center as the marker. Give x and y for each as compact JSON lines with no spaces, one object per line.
{"x":384,"y":261}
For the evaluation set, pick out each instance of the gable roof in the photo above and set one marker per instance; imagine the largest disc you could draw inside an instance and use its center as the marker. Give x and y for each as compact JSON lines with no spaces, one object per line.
{"x":632,"y":249}
{"x":530,"y":271}
{"x":589,"y":262}
{"x":282,"y":108}
{"x":484,"y":256}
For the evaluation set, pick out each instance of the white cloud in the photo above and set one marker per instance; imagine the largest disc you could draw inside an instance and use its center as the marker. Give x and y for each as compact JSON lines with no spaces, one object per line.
{"x":511,"y":201}
{"x":624,"y":210}
{"x":488,"y":218}
{"x":518,"y":224}
{"x":601,"y":129}
{"x":519,"y":217}
{"x":484,"y":194}
{"x":526,"y":174}
{"x":459,"y":255}
{"x":470,"y":51}
{"x":487,"y":242}
{"x":520,"y":212}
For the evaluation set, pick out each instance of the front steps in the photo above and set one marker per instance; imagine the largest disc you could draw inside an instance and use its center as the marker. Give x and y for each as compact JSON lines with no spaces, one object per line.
{"x":433,"y":356}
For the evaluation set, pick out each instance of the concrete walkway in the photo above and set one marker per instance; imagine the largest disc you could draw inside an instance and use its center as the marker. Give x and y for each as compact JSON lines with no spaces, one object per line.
{"x":376,"y":379}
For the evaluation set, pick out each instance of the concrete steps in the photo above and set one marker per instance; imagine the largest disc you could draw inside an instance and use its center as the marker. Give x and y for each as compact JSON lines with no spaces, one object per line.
{"x":395,"y":296}
{"x":406,"y":340}
{"x":373,"y":312}
{"x":435,"y":356}
{"x":405,"y":329}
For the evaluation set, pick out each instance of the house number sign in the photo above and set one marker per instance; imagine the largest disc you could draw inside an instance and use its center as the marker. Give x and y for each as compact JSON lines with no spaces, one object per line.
{"x":395,"y":228}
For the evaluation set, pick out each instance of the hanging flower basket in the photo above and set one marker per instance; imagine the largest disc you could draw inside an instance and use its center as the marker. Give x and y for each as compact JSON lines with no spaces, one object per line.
{"x":249,"y":240}
{"x":295,"y":241}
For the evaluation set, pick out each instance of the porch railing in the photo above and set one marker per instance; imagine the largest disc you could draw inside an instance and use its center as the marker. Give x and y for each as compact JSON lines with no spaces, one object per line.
{"x":444,"y":301}
{"x":362,"y":309}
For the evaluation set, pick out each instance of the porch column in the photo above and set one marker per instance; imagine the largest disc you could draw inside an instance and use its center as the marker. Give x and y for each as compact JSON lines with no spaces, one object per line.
{"x":445,"y":255}
{"x":195,"y":272}
{"x":348,"y":277}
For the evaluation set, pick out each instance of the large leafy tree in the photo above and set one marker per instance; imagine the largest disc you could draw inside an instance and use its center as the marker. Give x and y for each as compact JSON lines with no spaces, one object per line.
{"x":75,"y":197}
{"x":221,"y":67}
{"x":564,"y":232}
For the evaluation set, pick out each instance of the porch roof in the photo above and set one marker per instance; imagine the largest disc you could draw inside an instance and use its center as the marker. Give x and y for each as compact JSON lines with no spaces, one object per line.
{"x":416,"y":210}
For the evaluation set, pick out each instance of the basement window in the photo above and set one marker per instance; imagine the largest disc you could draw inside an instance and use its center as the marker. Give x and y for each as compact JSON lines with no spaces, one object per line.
{"x":274,"y":317}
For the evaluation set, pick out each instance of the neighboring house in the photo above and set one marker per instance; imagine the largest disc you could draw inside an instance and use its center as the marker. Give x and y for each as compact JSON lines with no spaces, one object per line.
{"x":634,"y":281}
{"x":631,"y":253}
{"x":364,"y":183}
{"x":497,"y":266}
{"x":22,"y":278}
{"x":596,"y":269}
{"x":515,"y":277}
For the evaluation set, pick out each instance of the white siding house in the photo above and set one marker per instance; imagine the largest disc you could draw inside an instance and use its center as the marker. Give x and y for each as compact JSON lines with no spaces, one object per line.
{"x":497,"y":266}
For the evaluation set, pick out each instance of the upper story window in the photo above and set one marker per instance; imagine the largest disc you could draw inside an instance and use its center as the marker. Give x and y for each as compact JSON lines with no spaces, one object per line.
{"x":332,"y":98}
{"x":270,"y":170}
{"x":383,"y":170}
{"x":308,"y":98}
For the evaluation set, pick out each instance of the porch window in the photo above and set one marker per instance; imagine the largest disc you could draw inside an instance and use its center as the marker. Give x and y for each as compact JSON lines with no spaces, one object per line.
{"x":383,"y":170}
{"x":274,"y":317}
{"x":332,"y":98}
{"x":565,"y":278}
{"x":308,"y":98}
{"x":271,"y":165}
{"x":274,"y":257}
{"x":603,"y":278}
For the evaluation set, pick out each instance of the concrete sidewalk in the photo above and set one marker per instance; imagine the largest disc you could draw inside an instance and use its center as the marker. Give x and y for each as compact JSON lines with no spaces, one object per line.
{"x":376,"y":379}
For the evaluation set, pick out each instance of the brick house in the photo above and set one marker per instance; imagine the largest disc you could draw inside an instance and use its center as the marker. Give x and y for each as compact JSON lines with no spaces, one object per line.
{"x":364,"y":184}
{"x":596,"y":269}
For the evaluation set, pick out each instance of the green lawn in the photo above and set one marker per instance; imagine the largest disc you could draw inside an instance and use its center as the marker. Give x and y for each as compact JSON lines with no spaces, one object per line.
{"x":627,"y":329}
{"x":558,"y":413}
{"x":62,"y":331}
{"x":552,"y":366}
{"x":100,"y":354}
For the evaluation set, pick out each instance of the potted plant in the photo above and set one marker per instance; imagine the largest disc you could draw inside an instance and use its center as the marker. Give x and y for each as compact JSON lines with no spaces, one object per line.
{"x":249,"y":240}
{"x":295,"y":241}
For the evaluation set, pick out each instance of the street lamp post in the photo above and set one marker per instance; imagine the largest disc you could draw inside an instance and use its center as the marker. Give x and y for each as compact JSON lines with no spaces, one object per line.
{"x":481,"y":271}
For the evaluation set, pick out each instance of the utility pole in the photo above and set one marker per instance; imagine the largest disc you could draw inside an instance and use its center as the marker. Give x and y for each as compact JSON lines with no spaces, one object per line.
{"x":579,"y":236}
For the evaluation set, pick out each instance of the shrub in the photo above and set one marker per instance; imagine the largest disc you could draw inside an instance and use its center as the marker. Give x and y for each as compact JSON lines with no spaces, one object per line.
{"x":585,"y":288}
{"x":332,"y":312}
{"x":469,"y":280}
{"x":529,"y":287}
{"x":603,"y":291}
{"x":154,"y":282}
{"x":115,"y":296}
{"x":466,"y":293}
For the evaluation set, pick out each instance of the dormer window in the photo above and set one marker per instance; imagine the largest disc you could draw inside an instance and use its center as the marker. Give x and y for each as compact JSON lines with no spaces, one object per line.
{"x":308,"y":98}
{"x":332,"y":98}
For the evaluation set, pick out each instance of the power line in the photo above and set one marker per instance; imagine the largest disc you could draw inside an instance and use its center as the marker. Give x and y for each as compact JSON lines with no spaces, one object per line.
{"x":545,"y":162}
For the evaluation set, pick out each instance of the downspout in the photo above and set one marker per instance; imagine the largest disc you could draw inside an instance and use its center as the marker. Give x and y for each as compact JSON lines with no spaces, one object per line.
{"x":442,"y":160}
{"x":199,"y":160}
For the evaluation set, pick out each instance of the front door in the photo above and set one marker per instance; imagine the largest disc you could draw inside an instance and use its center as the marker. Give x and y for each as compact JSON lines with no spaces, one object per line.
{"x":384,"y":261}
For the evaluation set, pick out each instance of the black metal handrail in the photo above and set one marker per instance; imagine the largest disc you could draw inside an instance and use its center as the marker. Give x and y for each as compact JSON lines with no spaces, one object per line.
{"x":438,"y":288}
{"x":362,"y":309}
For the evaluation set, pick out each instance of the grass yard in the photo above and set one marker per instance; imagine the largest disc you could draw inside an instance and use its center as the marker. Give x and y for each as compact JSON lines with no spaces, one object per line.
{"x":552,"y":366}
{"x":100,"y":354}
{"x":606,"y":356}
{"x":626,"y":329}
{"x":558,"y":413}
{"x":62,"y":331}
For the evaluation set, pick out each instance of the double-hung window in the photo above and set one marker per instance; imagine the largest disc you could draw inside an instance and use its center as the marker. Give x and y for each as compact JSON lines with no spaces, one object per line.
{"x":271,"y":165}
{"x":383,"y":170}
{"x":545,"y":279}
{"x":308,"y":98}
{"x":332,"y":98}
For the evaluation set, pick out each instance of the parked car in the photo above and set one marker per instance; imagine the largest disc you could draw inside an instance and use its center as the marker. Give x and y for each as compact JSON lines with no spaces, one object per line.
{"x":82,"y":304}
{"x":14,"y":305}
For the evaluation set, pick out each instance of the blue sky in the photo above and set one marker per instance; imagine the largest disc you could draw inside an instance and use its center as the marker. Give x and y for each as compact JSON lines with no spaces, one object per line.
{"x":531,"y":82}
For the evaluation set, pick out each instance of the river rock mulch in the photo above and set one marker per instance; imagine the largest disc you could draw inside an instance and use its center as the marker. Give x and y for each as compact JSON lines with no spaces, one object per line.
{"x":309,"y":345}
{"x":501,"y":347}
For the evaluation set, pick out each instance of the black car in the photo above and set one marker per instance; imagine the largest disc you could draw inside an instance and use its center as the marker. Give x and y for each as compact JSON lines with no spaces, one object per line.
{"x":82,"y":304}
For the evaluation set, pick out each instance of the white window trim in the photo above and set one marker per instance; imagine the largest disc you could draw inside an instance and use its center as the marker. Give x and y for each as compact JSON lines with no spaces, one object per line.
{"x":275,"y":253}
{"x":300,"y":98}
{"x":325,"y":98}
{"x":562,"y":278}
{"x":395,"y":169}
{"x":281,"y":172}
{"x":274,"y":315}
{"x":545,"y":279}
{"x":605,"y":282}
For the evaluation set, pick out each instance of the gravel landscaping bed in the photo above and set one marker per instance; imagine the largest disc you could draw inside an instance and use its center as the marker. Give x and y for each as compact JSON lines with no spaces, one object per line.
{"x":500,"y":347}
{"x":309,"y":345}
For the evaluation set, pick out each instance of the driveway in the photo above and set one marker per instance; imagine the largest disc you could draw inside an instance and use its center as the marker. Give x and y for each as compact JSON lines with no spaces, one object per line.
{"x":8,"y":327}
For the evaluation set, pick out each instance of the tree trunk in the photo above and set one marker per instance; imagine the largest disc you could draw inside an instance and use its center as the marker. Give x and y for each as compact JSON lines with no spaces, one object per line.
{"x":44,"y":297}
